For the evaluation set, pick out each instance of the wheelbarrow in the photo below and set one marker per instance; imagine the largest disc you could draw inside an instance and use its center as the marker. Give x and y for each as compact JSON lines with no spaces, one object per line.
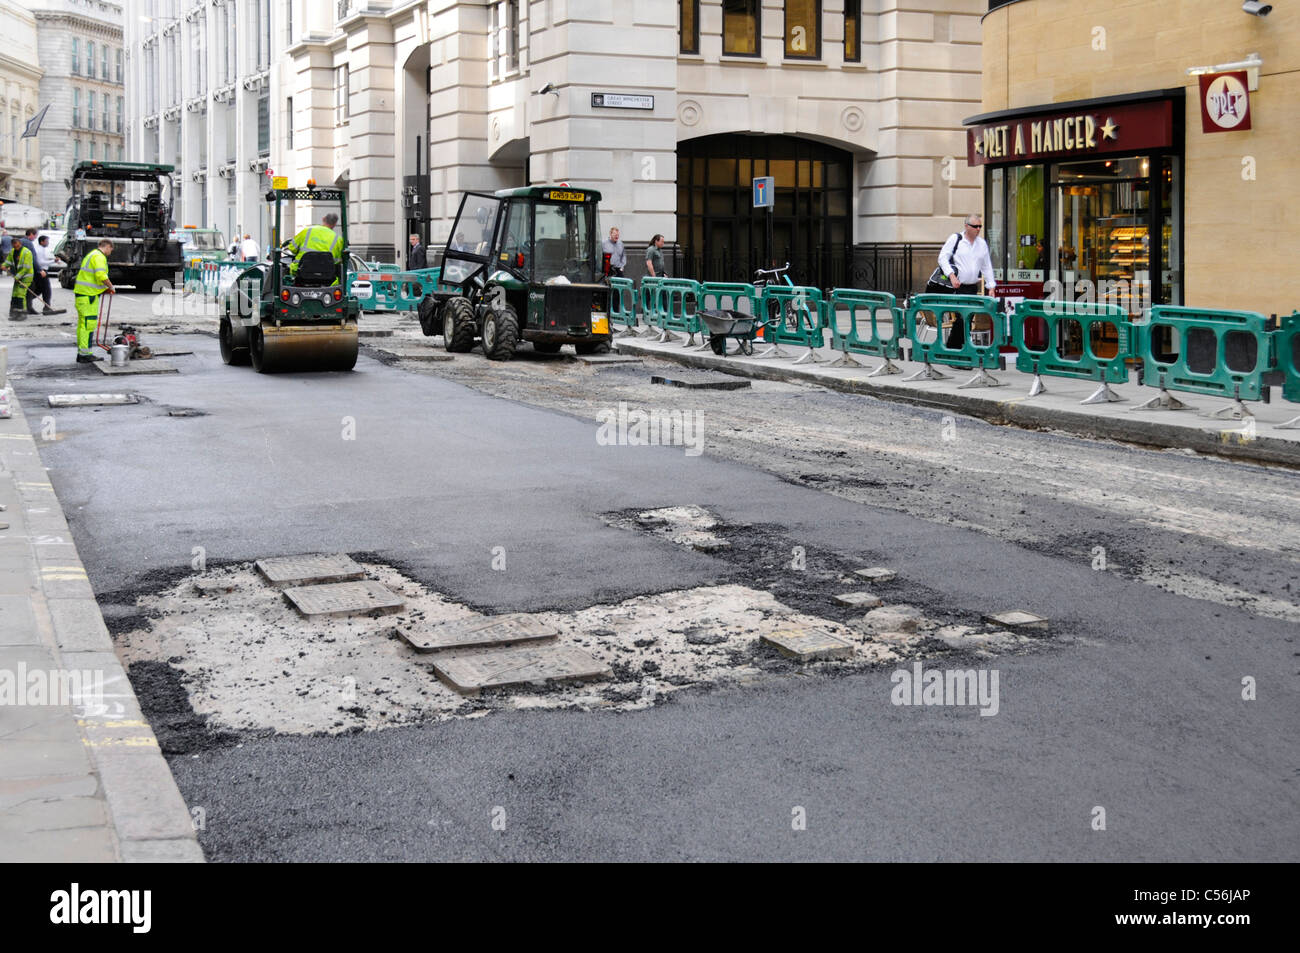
{"x":730,"y":324}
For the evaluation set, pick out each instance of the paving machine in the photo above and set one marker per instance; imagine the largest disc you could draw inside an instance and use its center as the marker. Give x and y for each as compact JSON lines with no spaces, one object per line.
{"x":293,"y":312}
{"x":522,"y":264}
{"x":131,"y":203}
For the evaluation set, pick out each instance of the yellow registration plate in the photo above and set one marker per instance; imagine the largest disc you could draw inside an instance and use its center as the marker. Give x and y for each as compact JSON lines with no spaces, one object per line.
{"x":599,"y":324}
{"x":567,"y":196}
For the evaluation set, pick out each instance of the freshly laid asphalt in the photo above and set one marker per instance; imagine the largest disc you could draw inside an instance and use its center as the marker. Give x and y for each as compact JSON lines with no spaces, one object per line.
{"x":1134,"y":705}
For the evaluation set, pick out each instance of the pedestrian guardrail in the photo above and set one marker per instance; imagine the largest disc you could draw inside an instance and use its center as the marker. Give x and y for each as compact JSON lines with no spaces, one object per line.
{"x":675,"y":302}
{"x":976,"y":331}
{"x":1219,"y":353}
{"x":885,"y":325}
{"x":622,"y":305}
{"x":1075,"y":339}
{"x":793,"y":314}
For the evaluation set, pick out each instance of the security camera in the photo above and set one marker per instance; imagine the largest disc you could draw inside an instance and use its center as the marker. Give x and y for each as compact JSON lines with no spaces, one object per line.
{"x":1256,"y":9}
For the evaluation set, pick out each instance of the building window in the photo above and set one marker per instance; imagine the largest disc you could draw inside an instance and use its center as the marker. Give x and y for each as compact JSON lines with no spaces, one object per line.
{"x":852,"y":28}
{"x":76,"y":150}
{"x":90,"y":59}
{"x":504,"y":37}
{"x":76,"y":108}
{"x":76,"y":57}
{"x":740,"y":27}
{"x":119,"y":153}
{"x":689,"y":14}
{"x":263,"y":125}
{"x":288,"y":122}
{"x":90,"y":109}
{"x":103,"y":63}
{"x":803,"y":29}
{"x":119,"y":115}
{"x":92,"y":150}
{"x":119,"y":66}
{"x":342,"y":92}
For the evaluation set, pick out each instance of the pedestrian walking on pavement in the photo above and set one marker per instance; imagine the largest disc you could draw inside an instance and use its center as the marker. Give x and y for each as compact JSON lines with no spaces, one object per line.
{"x":654,"y":257}
{"x":416,"y":258}
{"x":963,"y":259}
{"x":92,"y":281}
{"x":44,"y":267}
{"x":248,"y":248}
{"x":613,"y":247}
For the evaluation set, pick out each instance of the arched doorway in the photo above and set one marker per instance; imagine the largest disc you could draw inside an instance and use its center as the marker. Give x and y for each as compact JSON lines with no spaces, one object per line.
{"x":722,"y":237}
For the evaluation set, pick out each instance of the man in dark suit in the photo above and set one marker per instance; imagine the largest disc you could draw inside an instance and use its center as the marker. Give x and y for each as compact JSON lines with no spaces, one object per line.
{"x":415,"y":257}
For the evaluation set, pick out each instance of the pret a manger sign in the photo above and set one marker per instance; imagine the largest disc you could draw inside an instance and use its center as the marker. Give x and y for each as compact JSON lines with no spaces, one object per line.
{"x":1072,"y":134}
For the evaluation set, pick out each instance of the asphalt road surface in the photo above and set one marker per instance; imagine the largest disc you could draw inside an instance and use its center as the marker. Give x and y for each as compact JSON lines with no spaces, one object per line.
{"x":1132,"y":702}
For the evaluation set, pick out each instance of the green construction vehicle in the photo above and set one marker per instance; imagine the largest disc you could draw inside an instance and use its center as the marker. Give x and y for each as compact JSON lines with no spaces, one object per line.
{"x":522,"y":265}
{"x":294,"y":312}
{"x":131,"y":203}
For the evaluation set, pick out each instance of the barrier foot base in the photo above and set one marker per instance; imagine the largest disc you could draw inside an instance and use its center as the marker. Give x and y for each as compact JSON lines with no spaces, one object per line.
{"x":926,"y":373}
{"x":1164,"y":401}
{"x":706,"y":345}
{"x":1037,"y":387}
{"x":667,"y":337}
{"x":1102,"y":395}
{"x":810,"y":358}
{"x":773,"y":350}
{"x":846,"y":360}
{"x":884,"y":370}
{"x":649,"y":332}
{"x":1292,"y":424}
{"x":628,"y":333}
{"x":982,"y":379}
{"x":1234,"y":411}
{"x":690,"y":340}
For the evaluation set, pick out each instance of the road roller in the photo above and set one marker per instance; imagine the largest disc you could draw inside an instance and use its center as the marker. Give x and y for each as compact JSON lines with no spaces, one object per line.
{"x":292,"y":311}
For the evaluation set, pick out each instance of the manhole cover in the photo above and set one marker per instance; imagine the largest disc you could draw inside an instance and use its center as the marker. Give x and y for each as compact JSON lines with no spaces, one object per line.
{"x":344,"y":598}
{"x":805,"y":645}
{"x":90,"y":400}
{"x":304,"y":570}
{"x":502,"y":668}
{"x":479,"y":633}
{"x":138,"y":366}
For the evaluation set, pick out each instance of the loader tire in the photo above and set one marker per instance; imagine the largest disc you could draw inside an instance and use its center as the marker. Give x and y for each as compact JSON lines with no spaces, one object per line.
{"x":500,"y":334}
{"x":458,"y":325}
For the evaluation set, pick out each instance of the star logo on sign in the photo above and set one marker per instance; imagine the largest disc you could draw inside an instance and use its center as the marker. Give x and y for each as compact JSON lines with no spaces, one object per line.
{"x":1108,"y":130}
{"x":979,"y":146}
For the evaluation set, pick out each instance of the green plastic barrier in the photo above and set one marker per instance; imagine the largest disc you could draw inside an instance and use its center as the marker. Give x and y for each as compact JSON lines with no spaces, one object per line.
{"x":646,"y":298}
{"x":793,"y":314}
{"x":1199,"y":363}
{"x":622,"y":305}
{"x":984,"y":332}
{"x":871,"y":305}
{"x":212,"y":279}
{"x":1079,"y":344}
{"x":730,"y":296}
{"x":1288,"y":359}
{"x":675,"y":302}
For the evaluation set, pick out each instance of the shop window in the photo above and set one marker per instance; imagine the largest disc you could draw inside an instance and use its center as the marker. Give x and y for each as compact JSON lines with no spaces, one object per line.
{"x":852,"y":31}
{"x":740,"y":27}
{"x":689,"y":23}
{"x":803,"y":29}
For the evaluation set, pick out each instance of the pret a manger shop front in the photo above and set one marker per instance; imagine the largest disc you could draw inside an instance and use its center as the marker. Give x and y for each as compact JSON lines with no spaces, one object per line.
{"x":1084,"y":199}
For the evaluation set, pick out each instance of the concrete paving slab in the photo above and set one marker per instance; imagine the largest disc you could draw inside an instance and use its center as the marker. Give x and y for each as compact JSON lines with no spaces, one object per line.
{"x":607,"y":359}
{"x":309,"y":570}
{"x":91,"y":400}
{"x":180,"y":850}
{"x":150,"y":366}
{"x":518,"y":665}
{"x":344,"y":599}
{"x":696,"y":381}
{"x":142,"y":796}
{"x":1017,"y":619}
{"x":806,"y":645}
{"x":79,"y":626}
{"x":478,"y":633}
{"x":213,"y":587}
{"x":414,"y":353}
{"x":876,"y":574}
{"x":858,"y":600}
{"x":81,"y":845}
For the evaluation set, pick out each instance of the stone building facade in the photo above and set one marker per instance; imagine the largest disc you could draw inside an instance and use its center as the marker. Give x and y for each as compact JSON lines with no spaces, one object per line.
{"x":81,"y":53}
{"x":20,"y":80}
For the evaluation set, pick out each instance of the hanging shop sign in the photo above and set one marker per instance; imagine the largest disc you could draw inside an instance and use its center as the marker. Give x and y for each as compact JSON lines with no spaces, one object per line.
{"x":1096,"y":130}
{"x":1225,"y":102}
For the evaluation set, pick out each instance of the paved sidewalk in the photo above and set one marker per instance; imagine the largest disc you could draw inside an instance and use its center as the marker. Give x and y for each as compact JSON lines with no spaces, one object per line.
{"x":81,"y":775}
{"x":1059,"y":408}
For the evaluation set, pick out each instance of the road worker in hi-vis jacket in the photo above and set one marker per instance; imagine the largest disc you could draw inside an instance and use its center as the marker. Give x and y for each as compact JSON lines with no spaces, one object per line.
{"x":317,"y":238}
{"x":92,"y":281}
